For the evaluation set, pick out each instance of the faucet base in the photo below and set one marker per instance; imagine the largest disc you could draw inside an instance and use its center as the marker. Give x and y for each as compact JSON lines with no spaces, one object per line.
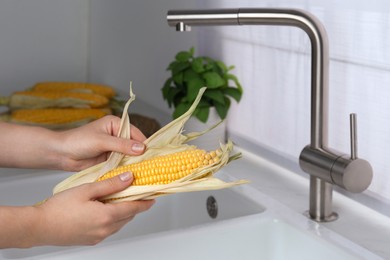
{"x":320,"y":208}
{"x":332,"y":217}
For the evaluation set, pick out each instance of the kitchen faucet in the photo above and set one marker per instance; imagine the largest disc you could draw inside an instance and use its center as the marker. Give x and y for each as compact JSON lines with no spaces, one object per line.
{"x":325,"y":166}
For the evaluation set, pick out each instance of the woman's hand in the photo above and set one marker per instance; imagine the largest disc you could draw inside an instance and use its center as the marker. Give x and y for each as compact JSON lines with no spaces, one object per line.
{"x":71,"y":150}
{"x":91,"y":144}
{"x":76,"y":217}
{"x":72,"y":217}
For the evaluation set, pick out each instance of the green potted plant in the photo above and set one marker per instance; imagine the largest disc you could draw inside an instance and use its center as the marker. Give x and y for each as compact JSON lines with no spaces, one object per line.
{"x":189,"y":74}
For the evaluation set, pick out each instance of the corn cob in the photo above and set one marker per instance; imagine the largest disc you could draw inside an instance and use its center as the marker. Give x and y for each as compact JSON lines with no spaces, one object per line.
{"x":169,"y":140}
{"x":56,"y":118}
{"x":167,"y":168}
{"x":99,"y":89}
{"x":41,"y":99}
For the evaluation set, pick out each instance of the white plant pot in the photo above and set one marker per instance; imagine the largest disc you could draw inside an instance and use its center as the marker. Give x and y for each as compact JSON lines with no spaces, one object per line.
{"x":212,"y":139}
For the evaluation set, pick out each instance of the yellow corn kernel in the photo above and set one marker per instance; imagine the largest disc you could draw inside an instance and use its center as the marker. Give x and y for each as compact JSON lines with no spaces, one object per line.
{"x":58,"y":99}
{"x":100,"y":89}
{"x":53,"y":116}
{"x":163,"y":169}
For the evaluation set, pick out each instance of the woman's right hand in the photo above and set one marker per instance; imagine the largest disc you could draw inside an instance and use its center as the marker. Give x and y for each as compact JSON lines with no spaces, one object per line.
{"x":76,"y":216}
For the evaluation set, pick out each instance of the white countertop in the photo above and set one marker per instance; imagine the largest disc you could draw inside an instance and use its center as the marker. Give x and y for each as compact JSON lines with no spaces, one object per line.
{"x":356,"y":222}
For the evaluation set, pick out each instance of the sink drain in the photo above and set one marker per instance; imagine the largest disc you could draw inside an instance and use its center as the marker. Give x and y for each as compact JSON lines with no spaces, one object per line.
{"x":212,"y":207}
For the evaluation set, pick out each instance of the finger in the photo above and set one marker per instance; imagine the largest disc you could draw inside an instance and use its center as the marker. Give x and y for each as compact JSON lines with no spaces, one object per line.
{"x":114,"y":127}
{"x":115,"y":227}
{"x":128,"y":209}
{"x":112,"y":185}
{"x":137,"y":134}
{"x":118,"y":225}
{"x":126,"y":146}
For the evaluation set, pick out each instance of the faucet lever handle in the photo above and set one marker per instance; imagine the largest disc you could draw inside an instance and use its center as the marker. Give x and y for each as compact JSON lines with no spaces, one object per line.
{"x":353,"y":130}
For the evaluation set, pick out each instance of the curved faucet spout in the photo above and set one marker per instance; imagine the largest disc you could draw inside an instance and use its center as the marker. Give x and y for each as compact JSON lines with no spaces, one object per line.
{"x":184,"y":19}
{"x":324,"y":166}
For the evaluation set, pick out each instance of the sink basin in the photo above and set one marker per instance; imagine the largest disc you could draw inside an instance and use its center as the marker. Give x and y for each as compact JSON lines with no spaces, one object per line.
{"x":24,"y":187}
{"x":252,"y":237}
{"x":171,"y":212}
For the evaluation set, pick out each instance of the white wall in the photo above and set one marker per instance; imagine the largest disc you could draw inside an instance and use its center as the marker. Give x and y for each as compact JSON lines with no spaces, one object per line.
{"x":42,"y":40}
{"x":111,"y":42}
{"x":131,"y":41}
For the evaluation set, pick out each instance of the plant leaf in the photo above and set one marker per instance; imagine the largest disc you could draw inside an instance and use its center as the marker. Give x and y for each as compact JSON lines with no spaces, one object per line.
{"x":166,"y":87}
{"x":197,"y":65}
{"x":223,"y":109}
{"x":190,"y":75}
{"x":183,"y":56}
{"x":171,"y":65}
{"x":216,"y":95}
{"x":202,"y":113}
{"x":213,"y":80}
{"x":178,"y":78}
{"x":179,"y":67}
{"x":208,"y":60}
{"x":203,"y":103}
{"x":192,"y":51}
{"x":222,"y":66}
{"x":233,"y":92}
{"x":181,"y":109}
{"x":193,"y":88}
{"x":172,"y":95}
{"x":235,"y":79}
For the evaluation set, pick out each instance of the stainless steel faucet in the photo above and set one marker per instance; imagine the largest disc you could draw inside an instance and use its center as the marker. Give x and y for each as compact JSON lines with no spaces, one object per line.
{"x":325,"y":166}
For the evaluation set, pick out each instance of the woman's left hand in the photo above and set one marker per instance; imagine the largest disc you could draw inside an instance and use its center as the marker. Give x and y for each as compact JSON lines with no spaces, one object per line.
{"x":92,"y":143}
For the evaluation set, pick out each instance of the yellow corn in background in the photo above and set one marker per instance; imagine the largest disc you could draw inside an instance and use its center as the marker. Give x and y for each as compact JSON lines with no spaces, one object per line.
{"x":46,"y":98}
{"x":99,"y":89}
{"x":167,"y":168}
{"x":53,"y":116}
{"x":60,"y":99}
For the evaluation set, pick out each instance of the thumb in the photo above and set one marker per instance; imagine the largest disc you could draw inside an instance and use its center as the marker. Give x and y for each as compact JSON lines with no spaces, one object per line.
{"x":111,"y":185}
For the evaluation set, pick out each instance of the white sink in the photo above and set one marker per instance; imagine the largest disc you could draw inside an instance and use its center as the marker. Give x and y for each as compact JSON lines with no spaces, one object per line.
{"x":252,"y":237}
{"x":249,"y":225}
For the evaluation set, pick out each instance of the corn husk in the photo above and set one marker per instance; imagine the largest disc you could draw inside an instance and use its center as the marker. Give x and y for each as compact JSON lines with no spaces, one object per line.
{"x":169,"y":139}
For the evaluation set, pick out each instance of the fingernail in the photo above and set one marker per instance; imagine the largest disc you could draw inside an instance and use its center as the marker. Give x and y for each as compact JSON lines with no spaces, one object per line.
{"x":138,"y":147}
{"x":125,"y":176}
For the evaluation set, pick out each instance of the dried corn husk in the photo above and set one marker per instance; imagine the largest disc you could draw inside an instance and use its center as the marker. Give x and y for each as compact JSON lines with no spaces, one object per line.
{"x":168,"y":139}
